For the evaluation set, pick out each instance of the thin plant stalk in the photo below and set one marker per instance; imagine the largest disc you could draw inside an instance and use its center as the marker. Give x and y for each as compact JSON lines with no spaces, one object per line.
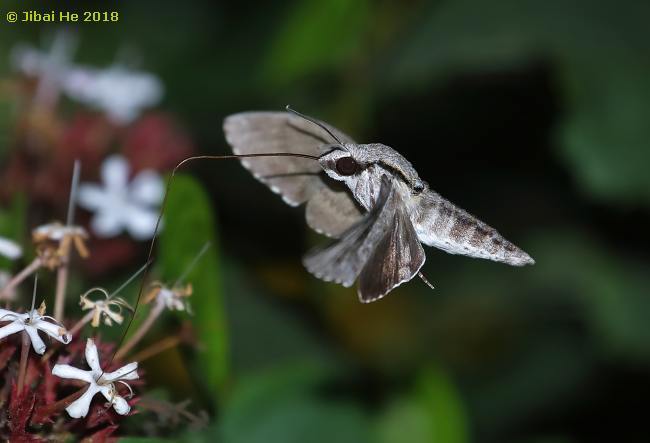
{"x":45,"y":411}
{"x":24,"y":355}
{"x":81,"y":323}
{"x":63,"y":271}
{"x":21,"y":276}
{"x":142,"y":330}
{"x":157,"y":348}
{"x":191,"y":265}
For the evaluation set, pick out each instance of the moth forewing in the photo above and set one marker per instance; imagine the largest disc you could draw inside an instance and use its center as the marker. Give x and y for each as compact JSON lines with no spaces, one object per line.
{"x":296,"y":180}
{"x":396,"y":259}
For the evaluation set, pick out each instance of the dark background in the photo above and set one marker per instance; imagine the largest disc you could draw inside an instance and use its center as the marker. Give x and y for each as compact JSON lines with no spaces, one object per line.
{"x":532,"y":115}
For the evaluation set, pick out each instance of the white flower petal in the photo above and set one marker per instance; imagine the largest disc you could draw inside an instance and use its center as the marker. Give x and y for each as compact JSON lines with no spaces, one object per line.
{"x":10,"y":249}
{"x":11,"y":328}
{"x":107,"y":224}
{"x":53,"y":330}
{"x":92,"y":197}
{"x":117,"y":401}
{"x":92,"y":356}
{"x":147,"y":188}
{"x":27,"y":60}
{"x":120,"y":405}
{"x":122,"y":93}
{"x":112,"y":315}
{"x":79,"y":408}
{"x":115,"y":172}
{"x":79,"y":82}
{"x":141,"y":223}
{"x":70,"y":372}
{"x":7,"y":315}
{"x":53,"y":231}
{"x":37,"y":341}
{"x":126,"y":372}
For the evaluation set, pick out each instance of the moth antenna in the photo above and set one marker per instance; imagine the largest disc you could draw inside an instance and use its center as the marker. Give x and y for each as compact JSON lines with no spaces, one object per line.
{"x":317,"y":123}
{"x":193,"y":263}
{"x":163,"y":206}
{"x":424,"y":279}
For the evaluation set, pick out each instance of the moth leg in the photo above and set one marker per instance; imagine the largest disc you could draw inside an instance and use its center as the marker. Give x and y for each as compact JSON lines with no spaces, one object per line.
{"x":424,"y":279}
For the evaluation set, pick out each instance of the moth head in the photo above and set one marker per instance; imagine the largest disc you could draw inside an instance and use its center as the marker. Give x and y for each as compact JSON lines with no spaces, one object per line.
{"x":340,"y":163}
{"x":350,"y":163}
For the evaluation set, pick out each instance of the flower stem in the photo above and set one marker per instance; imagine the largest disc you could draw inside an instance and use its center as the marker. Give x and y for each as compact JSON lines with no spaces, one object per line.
{"x":61,"y":284}
{"x":142,"y":330}
{"x":24,"y":355}
{"x":43,"y":413}
{"x":62,"y":272}
{"x":22,"y":275}
{"x":81,"y":323}
{"x":157,"y":348}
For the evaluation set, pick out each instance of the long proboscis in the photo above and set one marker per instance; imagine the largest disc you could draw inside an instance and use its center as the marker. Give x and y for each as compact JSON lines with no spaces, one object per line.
{"x":162,"y":212}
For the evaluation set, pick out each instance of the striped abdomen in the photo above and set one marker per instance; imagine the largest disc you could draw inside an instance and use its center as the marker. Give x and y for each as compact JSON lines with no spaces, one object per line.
{"x":441,"y":224}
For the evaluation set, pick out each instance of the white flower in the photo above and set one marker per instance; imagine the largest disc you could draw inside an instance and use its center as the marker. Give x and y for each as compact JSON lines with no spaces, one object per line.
{"x":28,"y":60}
{"x":110,"y":308}
{"x":120,"y":92}
{"x":32,"y":322}
{"x":54,"y":240}
{"x":56,"y":232}
{"x":50,"y":67}
{"x":174,"y":299}
{"x":10,"y":249}
{"x":120,"y":205}
{"x":98,"y":381}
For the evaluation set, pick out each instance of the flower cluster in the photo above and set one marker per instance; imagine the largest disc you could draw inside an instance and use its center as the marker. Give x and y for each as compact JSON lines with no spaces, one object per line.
{"x":54,"y":364}
{"x":40,"y":382}
{"x":109,"y":126}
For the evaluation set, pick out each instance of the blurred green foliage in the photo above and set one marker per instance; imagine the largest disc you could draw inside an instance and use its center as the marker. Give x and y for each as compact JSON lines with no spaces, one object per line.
{"x":13,"y":225}
{"x":599,"y":50}
{"x":189,"y":225}
{"x":432,"y":412}
{"x":282,"y":405}
{"x":306,"y":42}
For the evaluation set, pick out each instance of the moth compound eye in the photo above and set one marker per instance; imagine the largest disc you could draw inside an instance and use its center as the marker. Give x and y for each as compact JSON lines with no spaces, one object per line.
{"x":346,"y":166}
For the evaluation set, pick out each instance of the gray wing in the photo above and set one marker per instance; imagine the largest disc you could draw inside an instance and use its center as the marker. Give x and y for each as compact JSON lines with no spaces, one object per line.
{"x":397,"y":258}
{"x":367,"y":249}
{"x":332,"y":210}
{"x":297,"y":180}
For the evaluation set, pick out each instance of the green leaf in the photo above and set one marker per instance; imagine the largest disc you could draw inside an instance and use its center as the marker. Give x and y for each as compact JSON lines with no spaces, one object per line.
{"x":605,"y":140}
{"x":612,"y":290}
{"x":433,"y":412}
{"x":316,"y":35}
{"x":12,"y":225}
{"x":253,"y":314}
{"x":598,"y":51}
{"x":188,"y":225}
{"x":282,"y":405}
{"x":147,"y":440}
